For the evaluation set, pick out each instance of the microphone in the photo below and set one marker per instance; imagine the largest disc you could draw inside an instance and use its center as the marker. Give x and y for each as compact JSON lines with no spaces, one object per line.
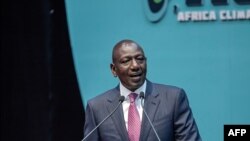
{"x":121,"y":99}
{"x":142,"y":97}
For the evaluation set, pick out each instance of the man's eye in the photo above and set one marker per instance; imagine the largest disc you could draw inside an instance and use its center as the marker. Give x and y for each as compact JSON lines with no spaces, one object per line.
{"x":124,"y":61}
{"x":141,"y":58}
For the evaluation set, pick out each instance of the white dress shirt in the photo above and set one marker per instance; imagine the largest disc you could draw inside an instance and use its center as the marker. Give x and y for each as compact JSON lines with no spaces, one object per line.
{"x":125,"y":105}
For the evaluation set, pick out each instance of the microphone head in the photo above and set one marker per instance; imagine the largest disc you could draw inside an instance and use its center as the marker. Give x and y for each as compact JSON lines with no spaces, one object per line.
{"x":122,"y":98}
{"x":141,"y":95}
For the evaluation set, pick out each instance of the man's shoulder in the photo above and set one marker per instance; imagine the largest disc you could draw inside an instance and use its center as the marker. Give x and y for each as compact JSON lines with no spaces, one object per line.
{"x":100,"y":97}
{"x":168,"y":91}
{"x":166,"y":87}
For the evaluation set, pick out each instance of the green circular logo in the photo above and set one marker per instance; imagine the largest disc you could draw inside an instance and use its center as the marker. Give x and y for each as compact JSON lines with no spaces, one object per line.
{"x":154,"y":9}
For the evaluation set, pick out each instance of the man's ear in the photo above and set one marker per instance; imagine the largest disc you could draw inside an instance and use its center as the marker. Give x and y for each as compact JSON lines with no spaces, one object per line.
{"x":113,"y":69}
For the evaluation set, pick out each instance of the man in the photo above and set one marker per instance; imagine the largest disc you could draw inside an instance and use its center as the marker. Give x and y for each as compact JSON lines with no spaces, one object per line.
{"x":166,"y":106}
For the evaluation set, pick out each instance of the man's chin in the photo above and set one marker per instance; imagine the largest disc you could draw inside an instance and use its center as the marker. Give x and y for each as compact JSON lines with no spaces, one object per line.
{"x":135,"y":86}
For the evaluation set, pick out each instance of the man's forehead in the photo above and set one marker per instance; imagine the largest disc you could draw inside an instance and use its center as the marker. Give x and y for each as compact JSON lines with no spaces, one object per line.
{"x":124,"y":48}
{"x":128,"y":46}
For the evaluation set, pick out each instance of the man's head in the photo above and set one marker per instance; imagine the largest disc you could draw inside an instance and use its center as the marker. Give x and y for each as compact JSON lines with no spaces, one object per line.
{"x":129,"y":64}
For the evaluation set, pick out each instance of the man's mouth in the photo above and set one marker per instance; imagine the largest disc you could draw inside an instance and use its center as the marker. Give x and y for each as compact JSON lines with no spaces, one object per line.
{"x":136,"y":75}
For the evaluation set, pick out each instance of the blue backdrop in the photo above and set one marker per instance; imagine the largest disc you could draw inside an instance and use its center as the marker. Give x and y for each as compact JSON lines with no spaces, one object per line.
{"x":210,"y":60}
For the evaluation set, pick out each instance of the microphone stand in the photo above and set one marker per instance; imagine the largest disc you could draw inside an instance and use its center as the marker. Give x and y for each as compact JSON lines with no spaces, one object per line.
{"x":121,"y":99}
{"x":142,"y":98}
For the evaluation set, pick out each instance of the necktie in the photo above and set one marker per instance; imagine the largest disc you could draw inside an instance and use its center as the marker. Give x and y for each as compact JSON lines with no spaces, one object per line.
{"x":134,"y":123}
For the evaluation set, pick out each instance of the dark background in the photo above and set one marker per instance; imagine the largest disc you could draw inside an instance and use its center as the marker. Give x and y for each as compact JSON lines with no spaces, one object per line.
{"x":40,"y":98}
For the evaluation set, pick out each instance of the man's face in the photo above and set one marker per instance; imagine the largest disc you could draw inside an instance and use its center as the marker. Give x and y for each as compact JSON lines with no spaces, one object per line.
{"x":130,"y":65}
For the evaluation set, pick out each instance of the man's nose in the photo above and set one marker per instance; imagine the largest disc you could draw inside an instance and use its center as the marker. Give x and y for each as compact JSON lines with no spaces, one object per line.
{"x":134,"y":64}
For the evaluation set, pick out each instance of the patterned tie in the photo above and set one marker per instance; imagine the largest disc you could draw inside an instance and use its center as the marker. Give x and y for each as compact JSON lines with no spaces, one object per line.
{"x":134,"y":123}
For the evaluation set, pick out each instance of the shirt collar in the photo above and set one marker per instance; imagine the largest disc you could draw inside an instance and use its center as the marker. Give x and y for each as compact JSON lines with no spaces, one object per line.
{"x":125,"y":92}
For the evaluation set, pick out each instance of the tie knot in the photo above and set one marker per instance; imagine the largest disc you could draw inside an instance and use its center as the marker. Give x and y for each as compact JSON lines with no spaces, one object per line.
{"x":132,"y":97}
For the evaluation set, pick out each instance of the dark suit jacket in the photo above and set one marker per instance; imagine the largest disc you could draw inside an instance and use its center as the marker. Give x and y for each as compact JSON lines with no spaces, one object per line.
{"x":167,"y":107}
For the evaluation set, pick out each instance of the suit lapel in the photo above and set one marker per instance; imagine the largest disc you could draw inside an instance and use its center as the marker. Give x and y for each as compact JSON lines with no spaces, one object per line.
{"x":117,"y":117}
{"x":150,"y":104}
